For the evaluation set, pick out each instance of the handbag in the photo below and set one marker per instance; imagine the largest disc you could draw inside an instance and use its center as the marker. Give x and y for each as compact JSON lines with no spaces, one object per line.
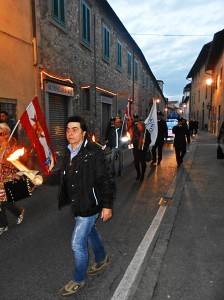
{"x":220,"y":154}
{"x":18,"y":189}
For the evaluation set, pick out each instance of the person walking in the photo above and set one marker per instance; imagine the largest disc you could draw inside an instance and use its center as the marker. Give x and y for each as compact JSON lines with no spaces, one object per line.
{"x":140,"y":138}
{"x":7,"y":173}
{"x":110,"y":125}
{"x":4,"y":118}
{"x":87,"y":185}
{"x":162,"y":134}
{"x":117,"y":146}
{"x":221,"y":133}
{"x":181,"y":134}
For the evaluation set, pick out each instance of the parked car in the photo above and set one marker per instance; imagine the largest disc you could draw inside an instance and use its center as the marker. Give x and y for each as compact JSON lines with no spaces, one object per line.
{"x":170,"y":123}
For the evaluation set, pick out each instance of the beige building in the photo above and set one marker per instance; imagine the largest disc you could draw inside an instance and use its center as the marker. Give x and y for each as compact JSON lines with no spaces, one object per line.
{"x":18,"y":70}
{"x":207,"y":95}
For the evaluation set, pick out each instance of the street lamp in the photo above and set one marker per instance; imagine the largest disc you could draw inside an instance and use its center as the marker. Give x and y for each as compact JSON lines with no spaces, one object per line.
{"x":157,"y":102}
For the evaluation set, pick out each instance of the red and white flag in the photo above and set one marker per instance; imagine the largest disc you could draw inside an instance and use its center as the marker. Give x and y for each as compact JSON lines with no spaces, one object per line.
{"x":128,"y":113}
{"x":34,"y":123}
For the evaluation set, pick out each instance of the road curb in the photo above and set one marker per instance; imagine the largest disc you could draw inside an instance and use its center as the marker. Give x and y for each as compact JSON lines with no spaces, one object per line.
{"x":150,"y":274}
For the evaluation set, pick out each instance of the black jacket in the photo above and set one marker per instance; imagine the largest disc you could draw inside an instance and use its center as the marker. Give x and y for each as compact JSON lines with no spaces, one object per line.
{"x":162,"y":131}
{"x":181,"y":133}
{"x":86,"y":181}
{"x":112,"y":137}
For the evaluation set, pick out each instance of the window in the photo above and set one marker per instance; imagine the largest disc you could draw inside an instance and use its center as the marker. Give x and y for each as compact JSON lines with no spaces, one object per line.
{"x":129,"y":64}
{"x":85,"y":99}
{"x":106,"y":43}
{"x":58,"y":11}
{"x":85,"y":21}
{"x":136,"y":70}
{"x":119,"y":55}
{"x":220,"y":76}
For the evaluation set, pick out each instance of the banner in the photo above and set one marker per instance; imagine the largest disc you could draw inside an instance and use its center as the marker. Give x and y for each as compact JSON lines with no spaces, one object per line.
{"x":151,"y":124}
{"x":34,"y":124}
{"x":128,"y":113}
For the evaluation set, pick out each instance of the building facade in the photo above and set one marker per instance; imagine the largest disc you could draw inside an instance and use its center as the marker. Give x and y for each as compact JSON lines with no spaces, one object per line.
{"x":78,"y":58}
{"x":207,"y":95}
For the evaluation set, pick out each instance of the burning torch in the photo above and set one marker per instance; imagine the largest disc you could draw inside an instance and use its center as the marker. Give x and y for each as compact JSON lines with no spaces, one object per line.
{"x":13,"y":158}
{"x":94,"y":141}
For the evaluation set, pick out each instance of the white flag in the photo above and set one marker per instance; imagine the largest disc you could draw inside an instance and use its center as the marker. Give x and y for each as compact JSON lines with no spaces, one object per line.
{"x":151,"y":124}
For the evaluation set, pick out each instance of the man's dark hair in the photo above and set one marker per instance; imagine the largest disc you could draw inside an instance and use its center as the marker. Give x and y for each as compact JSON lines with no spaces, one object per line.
{"x":78,"y":119}
{"x":4,"y":112}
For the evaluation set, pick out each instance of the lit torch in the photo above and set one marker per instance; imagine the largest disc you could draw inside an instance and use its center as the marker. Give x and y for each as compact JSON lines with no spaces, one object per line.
{"x":13,"y":158}
{"x":130,"y":146}
{"x":94,"y":141}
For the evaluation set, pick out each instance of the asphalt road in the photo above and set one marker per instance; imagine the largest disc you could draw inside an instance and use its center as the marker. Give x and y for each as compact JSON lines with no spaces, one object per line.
{"x":36,"y":257}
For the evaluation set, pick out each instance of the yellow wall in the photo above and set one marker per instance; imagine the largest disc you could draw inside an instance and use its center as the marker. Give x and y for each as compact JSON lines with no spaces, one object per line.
{"x":17,"y":72}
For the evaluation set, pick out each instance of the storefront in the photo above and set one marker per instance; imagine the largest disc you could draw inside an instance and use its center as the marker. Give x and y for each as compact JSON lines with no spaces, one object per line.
{"x":58,"y":107}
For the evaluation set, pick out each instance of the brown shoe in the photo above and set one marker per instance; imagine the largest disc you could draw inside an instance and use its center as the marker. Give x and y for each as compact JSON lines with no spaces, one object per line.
{"x":94,"y":269}
{"x":71,"y":288}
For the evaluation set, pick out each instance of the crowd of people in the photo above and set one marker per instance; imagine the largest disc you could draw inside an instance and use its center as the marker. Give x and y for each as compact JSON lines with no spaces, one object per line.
{"x":87,"y":183}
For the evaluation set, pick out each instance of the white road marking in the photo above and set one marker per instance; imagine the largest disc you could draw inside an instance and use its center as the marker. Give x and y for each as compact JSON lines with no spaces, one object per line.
{"x":124,"y":288}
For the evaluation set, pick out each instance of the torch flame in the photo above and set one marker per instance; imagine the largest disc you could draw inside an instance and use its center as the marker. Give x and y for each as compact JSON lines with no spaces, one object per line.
{"x":15,"y":155}
{"x":93,"y":138}
{"x":128,"y":135}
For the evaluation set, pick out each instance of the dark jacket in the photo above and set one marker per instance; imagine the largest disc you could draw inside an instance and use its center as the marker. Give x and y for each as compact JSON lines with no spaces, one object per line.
{"x":112,"y":137}
{"x":162,"y":131}
{"x":86,"y":182}
{"x":181,"y":134}
{"x":138,"y":138}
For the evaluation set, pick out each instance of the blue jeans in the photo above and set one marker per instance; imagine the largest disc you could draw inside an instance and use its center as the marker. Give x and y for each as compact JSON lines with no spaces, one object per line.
{"x":85,"y":232}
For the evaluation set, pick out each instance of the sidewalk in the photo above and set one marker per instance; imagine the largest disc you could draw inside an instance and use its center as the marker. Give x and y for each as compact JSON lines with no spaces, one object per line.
{"x":188,"y":259}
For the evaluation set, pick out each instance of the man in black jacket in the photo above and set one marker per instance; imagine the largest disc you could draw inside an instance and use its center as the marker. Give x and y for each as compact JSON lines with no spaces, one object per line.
{"x":117,"y":145}
{"x":87,"y":185}
{"x":182,"y":133}
{"x":162,"y":134}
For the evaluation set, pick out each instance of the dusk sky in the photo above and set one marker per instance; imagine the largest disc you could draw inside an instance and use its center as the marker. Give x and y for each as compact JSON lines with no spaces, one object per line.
{"x":171,"y":34}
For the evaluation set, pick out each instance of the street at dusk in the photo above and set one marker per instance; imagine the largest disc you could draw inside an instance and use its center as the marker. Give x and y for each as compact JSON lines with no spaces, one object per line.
{"x":184,"y":260}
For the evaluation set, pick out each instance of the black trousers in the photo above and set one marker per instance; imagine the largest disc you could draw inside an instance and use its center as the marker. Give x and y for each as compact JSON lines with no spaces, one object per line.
{"x":140,"y":160}
{"x":160,"y":151}
{"x":12,"y":208}
{"x":180,"y":152}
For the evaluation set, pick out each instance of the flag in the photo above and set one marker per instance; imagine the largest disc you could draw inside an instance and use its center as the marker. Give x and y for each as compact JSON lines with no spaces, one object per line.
{"x":151,"y":124}
{"x":34,"y":124}
{"x":128,"y":113}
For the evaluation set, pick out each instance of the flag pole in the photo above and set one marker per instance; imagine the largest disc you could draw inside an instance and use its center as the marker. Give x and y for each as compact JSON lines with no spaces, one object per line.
{"x":144,"y":139}
{"x":14,"y":129}
{"x":122,"y":128}
{"x":17,"y":124}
